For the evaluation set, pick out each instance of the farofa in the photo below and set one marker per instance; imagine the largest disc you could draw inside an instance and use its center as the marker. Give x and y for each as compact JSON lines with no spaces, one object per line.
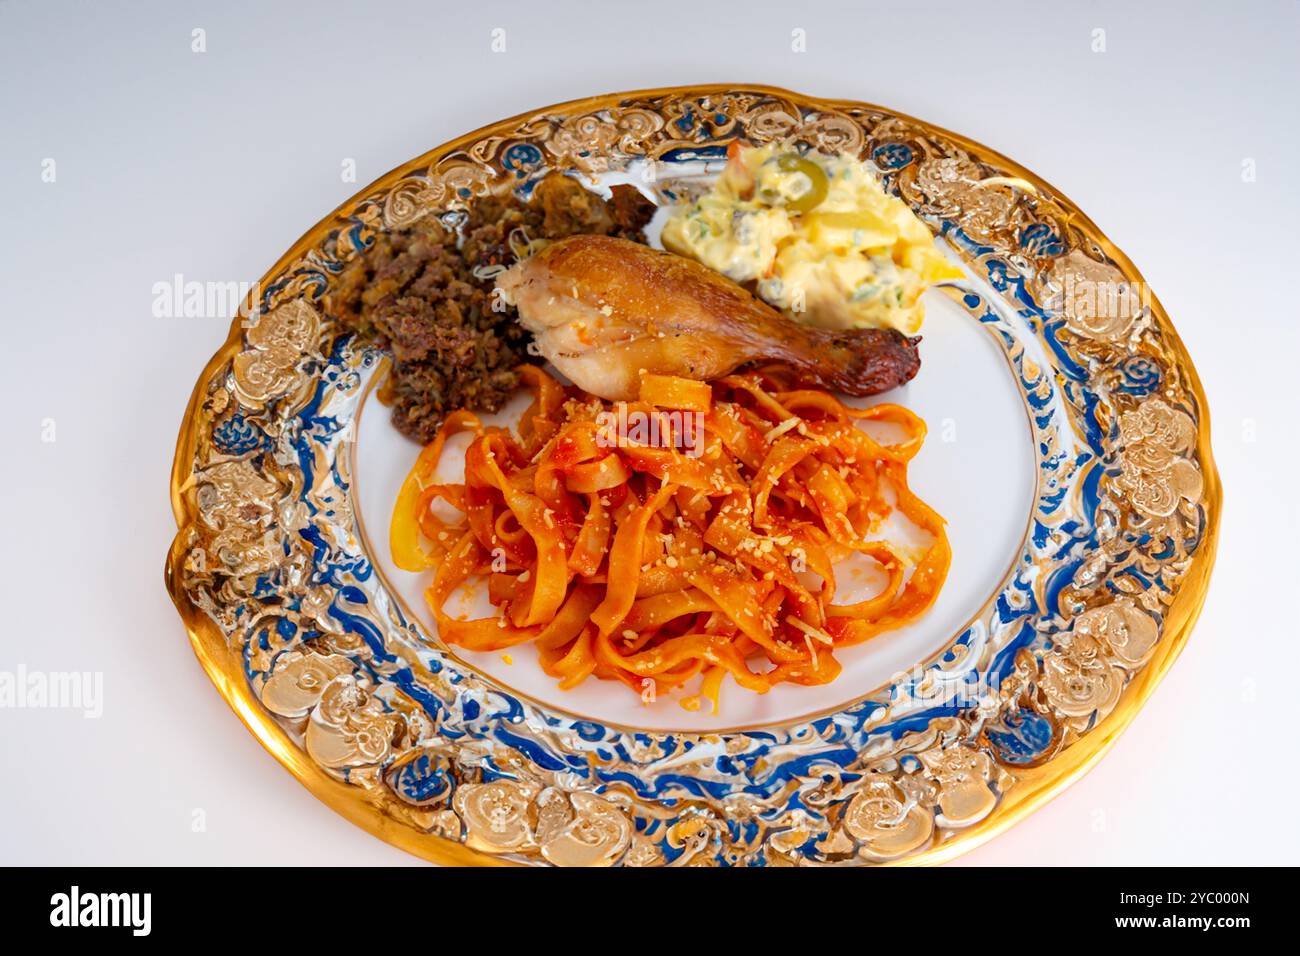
{"x":429,"y":301}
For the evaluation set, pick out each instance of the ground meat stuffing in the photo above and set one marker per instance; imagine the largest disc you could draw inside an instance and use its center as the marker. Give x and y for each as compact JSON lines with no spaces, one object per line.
{"x":429,"y":303}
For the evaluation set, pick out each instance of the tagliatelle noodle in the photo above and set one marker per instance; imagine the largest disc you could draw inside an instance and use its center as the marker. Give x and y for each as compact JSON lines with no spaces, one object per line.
{"x":692,"y":532}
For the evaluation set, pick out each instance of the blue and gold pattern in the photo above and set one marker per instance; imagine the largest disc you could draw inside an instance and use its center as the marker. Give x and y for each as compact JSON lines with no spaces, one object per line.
{"x":269,"y":562}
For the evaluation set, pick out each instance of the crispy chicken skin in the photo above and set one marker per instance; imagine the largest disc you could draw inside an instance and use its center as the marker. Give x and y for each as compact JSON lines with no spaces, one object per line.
{"x":605,"y":309}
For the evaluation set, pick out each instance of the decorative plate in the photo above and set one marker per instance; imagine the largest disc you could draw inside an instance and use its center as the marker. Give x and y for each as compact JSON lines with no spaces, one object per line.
{"x":1069,"y":449}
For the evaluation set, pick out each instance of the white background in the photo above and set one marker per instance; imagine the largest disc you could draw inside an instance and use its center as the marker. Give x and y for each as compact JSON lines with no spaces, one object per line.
{"x":210,"y":165}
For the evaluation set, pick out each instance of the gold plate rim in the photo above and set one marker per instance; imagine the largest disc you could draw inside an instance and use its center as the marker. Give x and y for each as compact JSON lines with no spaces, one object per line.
{"x":1035,"y":786}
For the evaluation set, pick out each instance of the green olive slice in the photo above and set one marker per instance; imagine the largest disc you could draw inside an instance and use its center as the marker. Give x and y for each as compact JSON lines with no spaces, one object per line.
{"x":794,"y":163}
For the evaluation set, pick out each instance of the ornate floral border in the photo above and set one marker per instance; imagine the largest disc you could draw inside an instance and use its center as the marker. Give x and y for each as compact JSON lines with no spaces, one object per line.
{"x":290,"y":621}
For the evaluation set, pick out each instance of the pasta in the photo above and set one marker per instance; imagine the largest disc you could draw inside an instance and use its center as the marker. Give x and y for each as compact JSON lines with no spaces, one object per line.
{"x":691,"y":533}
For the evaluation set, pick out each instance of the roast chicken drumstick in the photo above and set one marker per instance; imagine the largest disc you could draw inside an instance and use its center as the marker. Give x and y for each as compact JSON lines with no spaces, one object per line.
{"x":604,"y":310}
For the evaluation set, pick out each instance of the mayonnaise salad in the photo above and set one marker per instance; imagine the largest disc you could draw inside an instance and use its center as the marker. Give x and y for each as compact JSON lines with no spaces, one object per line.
{"x":815,"y":236}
